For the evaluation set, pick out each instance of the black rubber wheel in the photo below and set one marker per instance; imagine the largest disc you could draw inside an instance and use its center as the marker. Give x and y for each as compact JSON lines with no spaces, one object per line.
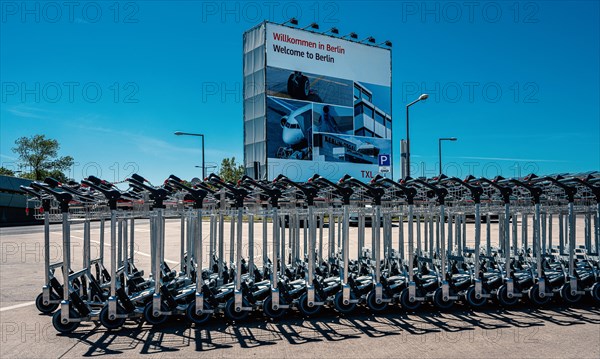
{"x":595,"y":293}
{"x":291,"y":86}
{"x":298,"y":86}
{"x":303,"y":87}
{"x":60,"y":326}
{"x":268,"y":310}
{"x":565,"y":294}
{"x":111,"y":324}
{"x":372,"y":303}
{"x":338,"y":303}
{"x":503,"y":298}
{"x":534,"y":296}
{"x":198,"y":319}
{"x":405,"y":301}
{"x":149,"y":315}
{"x":232,"y":314}
{"x":305,"y":309}
{"x":472,"y":299}
{"x":46,"y":309}
{"x":438,"y":300}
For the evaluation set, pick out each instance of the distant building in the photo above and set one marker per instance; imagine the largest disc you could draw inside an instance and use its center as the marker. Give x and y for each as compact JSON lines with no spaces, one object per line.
{"x":14,"y":208}
{"x":369,"y":121}
{"x":329,"y":147}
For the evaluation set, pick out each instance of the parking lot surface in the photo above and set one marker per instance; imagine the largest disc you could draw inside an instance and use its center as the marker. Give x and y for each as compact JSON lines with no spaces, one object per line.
{"x":554,"y":331}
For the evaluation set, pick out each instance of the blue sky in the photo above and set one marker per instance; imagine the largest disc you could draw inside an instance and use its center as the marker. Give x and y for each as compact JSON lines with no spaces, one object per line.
{"x":516,"y":82}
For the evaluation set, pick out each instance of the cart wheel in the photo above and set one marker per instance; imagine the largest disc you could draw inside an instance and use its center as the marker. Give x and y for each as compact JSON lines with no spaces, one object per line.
{"x":60,"y":326}
{"x":305,"y":309}
{"x":232,"y":314}
{"x":372,"y":303}
{"x":534,"y":296}
{"x":472,"y":299}
{"x":406,"y":303}
{"x":112,"y":324}
{"x":270,"y":312}
{"x":565,"y":294}
{"x":197,"y":319}
{"x":338,"y":303}
{"x":149,"y":315}
{"x":43,"y":308}
{"x":438,"y":300}
{"x":503,"y":298}
{"x":596,"y":292}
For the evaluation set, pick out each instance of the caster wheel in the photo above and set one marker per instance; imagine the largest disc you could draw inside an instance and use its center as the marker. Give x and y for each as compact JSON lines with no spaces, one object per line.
{"x":305,"y":309}
{"x":232,"y":314}
{"x":149,"y":315}
{"x":406,"y":303}
{"x":534,"y":296}
{"x":472,"y":299}
{"x":565,"y":294}
{"x":438,"y":300}
{"x":268,"y":310}
{"x":62,"y":327}
{"x":43,"y":308}
{"x":596,"y":292}
{"x":372,"y":303}
{"x":338,"y":303}
{"x":503,"y":298}
{"x":111,"y":324}
{"x":198,"y":319}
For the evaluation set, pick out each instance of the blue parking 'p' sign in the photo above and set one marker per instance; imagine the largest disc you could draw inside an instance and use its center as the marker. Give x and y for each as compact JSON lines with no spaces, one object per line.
{"x":385,"y":161}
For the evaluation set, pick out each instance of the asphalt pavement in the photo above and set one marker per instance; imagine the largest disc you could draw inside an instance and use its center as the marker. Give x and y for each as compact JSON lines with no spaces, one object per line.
{"x":554,"y":331}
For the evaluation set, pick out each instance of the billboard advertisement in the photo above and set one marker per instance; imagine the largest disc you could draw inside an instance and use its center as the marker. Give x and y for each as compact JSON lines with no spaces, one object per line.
{"x":327,"y":104}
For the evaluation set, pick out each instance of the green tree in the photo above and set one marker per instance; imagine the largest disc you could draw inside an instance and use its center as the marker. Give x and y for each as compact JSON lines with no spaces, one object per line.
{"x":231,"y":171}
{"x":6,"y":172}
{"x":41,"y":155}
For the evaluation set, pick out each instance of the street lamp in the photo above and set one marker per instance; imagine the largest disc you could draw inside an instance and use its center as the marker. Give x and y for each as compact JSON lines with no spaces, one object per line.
{"x":179,"y":133}
{"x":423,"y":97}
{"x":207,"y":167}
{"x":440,"y":148}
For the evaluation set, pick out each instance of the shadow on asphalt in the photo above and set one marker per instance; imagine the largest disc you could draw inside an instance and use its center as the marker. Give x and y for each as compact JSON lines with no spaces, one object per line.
{"x":329,"y":326}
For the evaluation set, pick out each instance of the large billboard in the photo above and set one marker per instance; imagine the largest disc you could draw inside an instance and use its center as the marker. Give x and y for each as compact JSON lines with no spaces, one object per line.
{"x":327,"y":104}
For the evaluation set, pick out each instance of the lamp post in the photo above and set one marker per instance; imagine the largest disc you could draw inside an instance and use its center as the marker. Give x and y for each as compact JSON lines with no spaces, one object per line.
{"x":207,"y":167}
{"x":179,"y":133}
{"x":440,"y":148}
{"x":421,"y":98}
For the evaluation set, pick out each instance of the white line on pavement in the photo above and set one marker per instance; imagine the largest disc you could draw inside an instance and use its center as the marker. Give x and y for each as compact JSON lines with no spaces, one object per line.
{"x":136,"y":252}
{"x":16,"y":306}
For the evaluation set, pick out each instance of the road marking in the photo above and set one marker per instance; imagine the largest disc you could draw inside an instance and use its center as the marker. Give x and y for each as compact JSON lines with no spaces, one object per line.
{"x":136,"y":252}
{"x":16,"y":306}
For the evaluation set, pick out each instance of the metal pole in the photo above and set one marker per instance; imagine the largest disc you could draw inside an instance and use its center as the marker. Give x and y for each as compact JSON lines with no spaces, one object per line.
{"x":440,"y":153}
{"x":407,"y":145}
{"x":203,"y":165}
